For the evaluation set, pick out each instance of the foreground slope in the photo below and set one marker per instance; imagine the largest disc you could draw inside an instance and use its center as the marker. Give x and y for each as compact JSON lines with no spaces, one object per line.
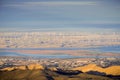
{"x":112,"y":70}
{"x":46,"y":75}
{"x":38,"y":72}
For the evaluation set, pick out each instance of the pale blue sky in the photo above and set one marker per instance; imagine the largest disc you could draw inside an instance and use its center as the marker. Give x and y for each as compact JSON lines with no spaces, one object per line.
{"x":64,"y":15}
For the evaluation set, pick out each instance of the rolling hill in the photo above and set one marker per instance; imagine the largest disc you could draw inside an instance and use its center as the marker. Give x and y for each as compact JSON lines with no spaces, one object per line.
{"x":38,"y":72}
{"x":112,"y":70}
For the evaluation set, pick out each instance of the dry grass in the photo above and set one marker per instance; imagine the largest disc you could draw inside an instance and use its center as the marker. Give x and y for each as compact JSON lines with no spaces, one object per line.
{"x":46,"y":75}
{"x":112,"y":70}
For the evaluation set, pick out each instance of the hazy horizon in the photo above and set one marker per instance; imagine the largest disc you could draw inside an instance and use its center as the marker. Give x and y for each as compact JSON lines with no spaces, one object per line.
{"x":60,"y":15}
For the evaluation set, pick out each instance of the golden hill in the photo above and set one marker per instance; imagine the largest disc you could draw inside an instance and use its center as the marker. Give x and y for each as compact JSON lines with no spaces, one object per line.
{"x":112,"y":70}
{"x":46,"y":75}
{"x":30,"y":67}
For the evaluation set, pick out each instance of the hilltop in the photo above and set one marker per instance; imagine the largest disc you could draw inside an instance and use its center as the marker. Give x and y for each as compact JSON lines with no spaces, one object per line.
{"x":38,"y":72}
{"x":46,"y":75}
{"x":112,"y":70}
{"x":24,"y":67}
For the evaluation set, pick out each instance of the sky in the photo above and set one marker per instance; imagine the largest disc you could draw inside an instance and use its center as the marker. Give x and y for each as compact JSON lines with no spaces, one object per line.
{"x":60,"y":15}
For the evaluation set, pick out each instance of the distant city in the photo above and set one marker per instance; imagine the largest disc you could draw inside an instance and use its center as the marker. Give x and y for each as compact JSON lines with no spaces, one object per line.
{"x":58,"y":39}
{"x":66,"y":64}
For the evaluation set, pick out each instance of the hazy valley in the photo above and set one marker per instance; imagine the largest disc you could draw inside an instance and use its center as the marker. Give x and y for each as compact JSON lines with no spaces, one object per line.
{"x":59,"y":56}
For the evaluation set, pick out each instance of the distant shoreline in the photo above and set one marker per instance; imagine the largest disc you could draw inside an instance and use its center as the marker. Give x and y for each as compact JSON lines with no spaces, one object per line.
{"x":113,"y":49}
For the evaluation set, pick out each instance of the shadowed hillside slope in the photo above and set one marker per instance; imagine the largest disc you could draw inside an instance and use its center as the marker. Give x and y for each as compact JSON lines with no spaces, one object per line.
{"x":112,"y":70}
{"x":38,"y":72}
{"x":29,"y":67}
{"x":46,"y":75}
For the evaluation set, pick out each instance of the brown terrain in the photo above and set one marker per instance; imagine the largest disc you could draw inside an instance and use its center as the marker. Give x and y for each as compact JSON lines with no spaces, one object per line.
{"x":112,"y":70}
{"x":29,"y":67}
{"x":37,"y":72}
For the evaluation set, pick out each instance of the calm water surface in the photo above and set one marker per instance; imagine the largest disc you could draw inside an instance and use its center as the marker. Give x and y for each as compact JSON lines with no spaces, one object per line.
{"x":115,"y":49}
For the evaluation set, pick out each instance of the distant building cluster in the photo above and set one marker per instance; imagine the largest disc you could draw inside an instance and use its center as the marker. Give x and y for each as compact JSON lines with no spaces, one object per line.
{"x":8,"y":61}
{"x":57,"y":39}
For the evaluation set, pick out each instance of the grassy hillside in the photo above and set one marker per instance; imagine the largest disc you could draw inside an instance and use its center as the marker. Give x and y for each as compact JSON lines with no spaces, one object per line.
{"x":22,"y":75}
{"x":112,"y":70}
{"x":46,"y":75}
{"x":38,"y":72}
